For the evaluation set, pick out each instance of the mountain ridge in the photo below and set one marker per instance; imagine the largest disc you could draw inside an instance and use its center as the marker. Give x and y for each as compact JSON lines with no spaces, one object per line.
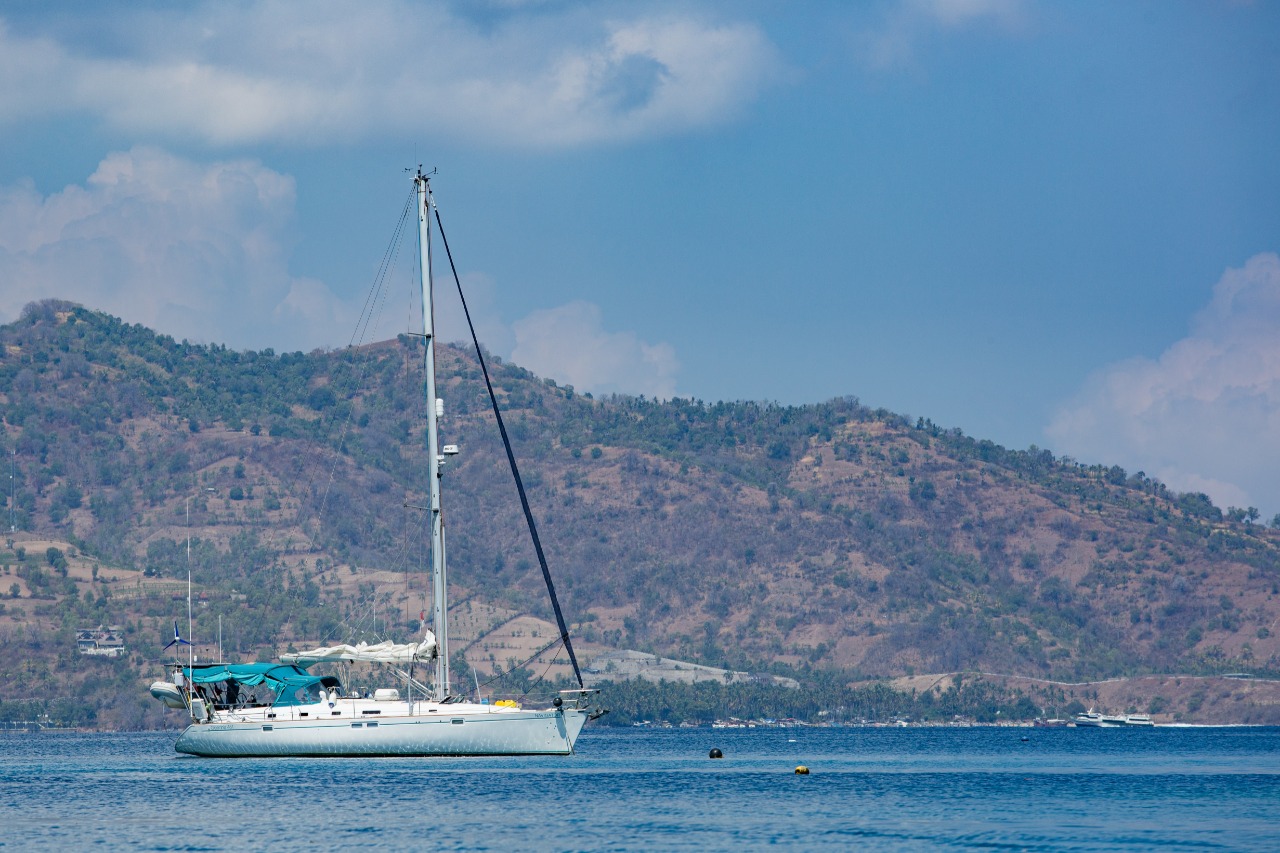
{"x":746,"y":536}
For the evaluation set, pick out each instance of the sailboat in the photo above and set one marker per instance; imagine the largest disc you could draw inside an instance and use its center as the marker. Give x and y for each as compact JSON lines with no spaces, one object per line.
{"x":312,"y":715}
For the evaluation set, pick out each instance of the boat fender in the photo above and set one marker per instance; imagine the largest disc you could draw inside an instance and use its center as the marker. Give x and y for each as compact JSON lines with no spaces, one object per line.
{"x":715,"y":753}
{"x":801,"y":770}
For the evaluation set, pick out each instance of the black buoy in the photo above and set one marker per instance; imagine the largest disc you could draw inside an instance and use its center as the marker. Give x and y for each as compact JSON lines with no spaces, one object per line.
{"x":557,"y":701}
{"x":716,"y":753}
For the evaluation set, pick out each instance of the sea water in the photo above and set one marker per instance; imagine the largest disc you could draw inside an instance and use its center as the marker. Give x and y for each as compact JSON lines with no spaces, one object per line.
{"x":885,"y":789}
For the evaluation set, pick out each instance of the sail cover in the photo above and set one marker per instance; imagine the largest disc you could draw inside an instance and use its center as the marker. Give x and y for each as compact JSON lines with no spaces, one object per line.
{"x":386,"y":652}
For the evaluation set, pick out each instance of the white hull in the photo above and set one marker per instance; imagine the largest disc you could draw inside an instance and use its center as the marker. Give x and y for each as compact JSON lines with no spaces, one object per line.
{"x":448,"y":730}
{"x":1096,"y":721}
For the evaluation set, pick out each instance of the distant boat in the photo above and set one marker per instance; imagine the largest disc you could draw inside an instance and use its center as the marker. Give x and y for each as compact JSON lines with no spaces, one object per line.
{"x":1053,"y":723}
{"x":1091,"y":719}
{"x":233,"y":715}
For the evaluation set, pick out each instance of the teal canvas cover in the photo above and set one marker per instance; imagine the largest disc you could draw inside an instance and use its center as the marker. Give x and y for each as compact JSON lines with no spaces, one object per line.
{"x":288,"y":681}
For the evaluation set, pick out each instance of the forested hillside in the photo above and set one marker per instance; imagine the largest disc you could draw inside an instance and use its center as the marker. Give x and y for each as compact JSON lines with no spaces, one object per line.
{"x":753,"y":536}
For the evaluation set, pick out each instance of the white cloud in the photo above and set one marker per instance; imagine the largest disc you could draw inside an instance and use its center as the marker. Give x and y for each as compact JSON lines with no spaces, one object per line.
{"x":957,"y":13}
{"x":201,"y":252}
{"x":1205,"y":415}
{"x":274,"y":71}
{"x":195,"y":251}
{"x":909,"y":24}
{"x":451,"y":321}
{"x":569,"y":344}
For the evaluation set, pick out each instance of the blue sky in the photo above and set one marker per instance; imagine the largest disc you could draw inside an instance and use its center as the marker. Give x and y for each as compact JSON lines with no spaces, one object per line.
{"x":1043,"y":223}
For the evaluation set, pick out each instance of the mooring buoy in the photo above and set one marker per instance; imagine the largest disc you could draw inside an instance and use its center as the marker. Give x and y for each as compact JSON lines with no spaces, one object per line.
{"x":801,"y":770}
{"x":715,"y":753}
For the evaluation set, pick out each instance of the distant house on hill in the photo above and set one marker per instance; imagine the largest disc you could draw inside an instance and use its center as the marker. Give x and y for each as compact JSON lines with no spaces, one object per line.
{"x":104,"y":640}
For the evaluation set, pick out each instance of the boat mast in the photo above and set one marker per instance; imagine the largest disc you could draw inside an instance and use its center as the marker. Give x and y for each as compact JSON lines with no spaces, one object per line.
{"x":191,"y":649}
{"x":439,"y":590}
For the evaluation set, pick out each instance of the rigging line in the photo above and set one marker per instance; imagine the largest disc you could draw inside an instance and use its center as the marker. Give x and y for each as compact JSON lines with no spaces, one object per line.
{"x":380,"y":297}
{"x":385,"y":264}
{"x":355,"y":623}
{"x":511,"y":458}
{"x":363,"y":622}
{"x":377,"y":296}
{"x":541,"y":677}
{"x":500,"y":675}
{"x":402,"y":560}
{"x":388,"y":263}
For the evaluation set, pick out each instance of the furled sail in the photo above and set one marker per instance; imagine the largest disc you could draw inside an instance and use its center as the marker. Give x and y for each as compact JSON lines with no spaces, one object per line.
{"x":385,"y":652}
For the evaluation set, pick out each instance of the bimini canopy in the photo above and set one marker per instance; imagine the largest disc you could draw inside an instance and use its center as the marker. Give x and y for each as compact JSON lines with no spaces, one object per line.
{"x":387,"y":652}
{"x":291,"y":683}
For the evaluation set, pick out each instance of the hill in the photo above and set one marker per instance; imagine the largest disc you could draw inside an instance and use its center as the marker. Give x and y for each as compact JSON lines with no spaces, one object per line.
{"x":826,"y":540}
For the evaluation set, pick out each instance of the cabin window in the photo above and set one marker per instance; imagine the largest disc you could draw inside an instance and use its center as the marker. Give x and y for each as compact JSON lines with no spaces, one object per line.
{"x":267,"y":728}
{"x":456,"y":721}
{"x":371,"y":725}
{"x":356,"y":725}
{"x":371,"y":712}
{"x":303,"y":714}
{"x":271,"y":716}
